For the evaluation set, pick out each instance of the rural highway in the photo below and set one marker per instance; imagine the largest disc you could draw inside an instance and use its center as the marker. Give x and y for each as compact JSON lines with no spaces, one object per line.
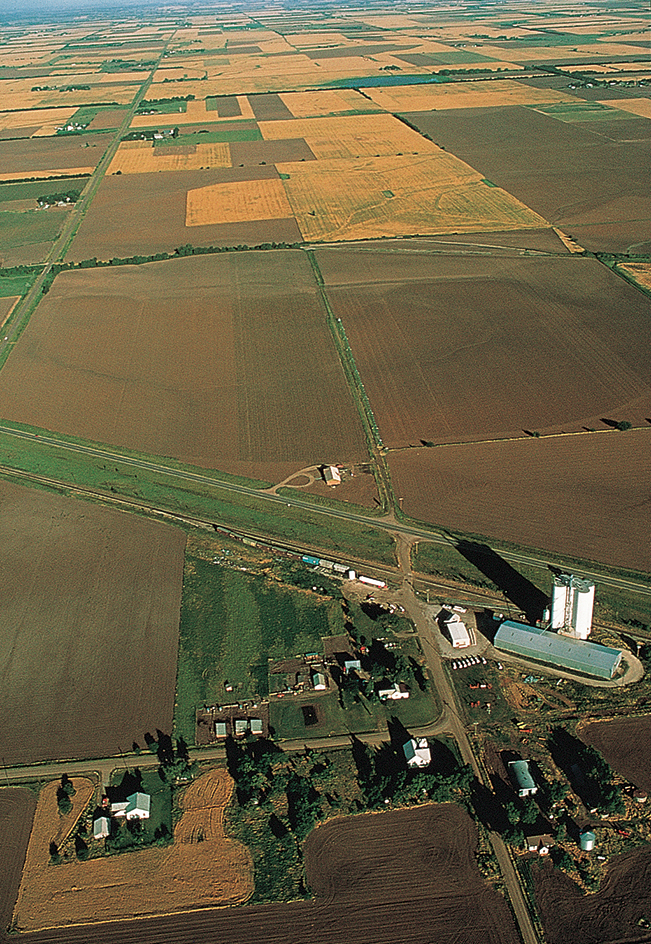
{"x":386,"y":523}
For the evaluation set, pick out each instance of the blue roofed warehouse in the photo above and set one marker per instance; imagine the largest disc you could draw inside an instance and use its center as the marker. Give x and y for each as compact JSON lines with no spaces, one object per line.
{"x":563,"y":652}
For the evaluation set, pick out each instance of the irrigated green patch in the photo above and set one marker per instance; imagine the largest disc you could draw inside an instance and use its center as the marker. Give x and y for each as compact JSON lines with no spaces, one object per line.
{"x":15,"y":284}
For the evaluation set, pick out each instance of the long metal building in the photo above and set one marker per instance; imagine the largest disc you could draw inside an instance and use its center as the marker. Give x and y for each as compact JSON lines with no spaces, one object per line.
{"x":563,"y":652}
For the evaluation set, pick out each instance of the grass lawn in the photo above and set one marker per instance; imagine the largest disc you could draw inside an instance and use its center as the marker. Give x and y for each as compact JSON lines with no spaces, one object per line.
{"x":15,"y":284}
{"x":232,"y":622}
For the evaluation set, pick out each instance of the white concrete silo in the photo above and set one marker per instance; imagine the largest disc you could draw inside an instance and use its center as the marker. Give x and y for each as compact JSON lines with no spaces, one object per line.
{"x":572,"y":605}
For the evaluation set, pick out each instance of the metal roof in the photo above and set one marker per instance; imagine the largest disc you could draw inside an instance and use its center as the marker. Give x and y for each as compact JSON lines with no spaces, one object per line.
{"x":562,"y":651}
{"x":522,"y":775}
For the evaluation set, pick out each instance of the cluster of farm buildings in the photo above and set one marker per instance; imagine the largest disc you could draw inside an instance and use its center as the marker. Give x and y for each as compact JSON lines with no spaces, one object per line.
{"x":561,"y":638}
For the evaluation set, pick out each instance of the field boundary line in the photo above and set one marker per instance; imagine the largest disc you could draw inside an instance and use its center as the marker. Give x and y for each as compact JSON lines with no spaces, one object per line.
{"x":526,"y":438}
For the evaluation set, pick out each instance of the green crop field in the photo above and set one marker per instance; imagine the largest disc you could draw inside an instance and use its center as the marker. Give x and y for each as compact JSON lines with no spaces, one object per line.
{"x":39,"y":188}
{"x":29,"y":227}
{"x":213,"y":137}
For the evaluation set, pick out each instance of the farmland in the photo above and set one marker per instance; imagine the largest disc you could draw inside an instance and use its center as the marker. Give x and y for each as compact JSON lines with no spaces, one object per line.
{"x":624,"y":744}
{"x":214,"y":871}
{"x":86,"y":591}
{"x":540,"y":330}
{"x":537,"y":492}
{"x":16,"y":812}
{"x":208,"y":375}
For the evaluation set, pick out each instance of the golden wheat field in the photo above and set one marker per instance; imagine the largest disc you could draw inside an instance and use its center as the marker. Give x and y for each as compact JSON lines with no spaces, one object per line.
{"x":239,"y":202}
{"x":326,"y":102}
{"x":351,"y":136}
{"x":201,"y":868}
{"x":145,"y":159}
{"x":51,"y":172}
{"x":459,"y":95}
{"x":398,"y":196}
{"x":44,"y":118}
{"x":636,"y":106}
{"x":640,"y":272}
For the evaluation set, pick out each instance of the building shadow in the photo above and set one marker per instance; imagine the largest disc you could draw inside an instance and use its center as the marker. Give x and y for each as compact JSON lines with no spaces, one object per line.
{"x":517,"y":589}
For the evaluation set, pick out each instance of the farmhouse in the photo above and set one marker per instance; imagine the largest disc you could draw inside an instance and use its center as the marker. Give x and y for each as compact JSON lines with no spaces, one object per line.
{"x":331,"y":475}
{"x":417,"y":753}
{"x":521,"y":777}
{"x":136,"y":806}
{"x":397,"y":691}
{"x":539,"y":844}
{"x":563,"y":652}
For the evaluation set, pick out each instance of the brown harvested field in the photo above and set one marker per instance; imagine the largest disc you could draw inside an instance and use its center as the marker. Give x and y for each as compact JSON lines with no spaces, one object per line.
{"x":452,"y":348}
{"x":125,"y":216}
{"x":6,"y":308}
{"x":612,"y":914}
{"x":326,"y":102}
{"x":577,"y":495}
{"x":353,"y":860}
{"x":92,"y":598}
{"x":237,"y":203}
{"x":351,"y":865}
{"x":626,"y":745}
{"x":593,"y":188}
{"x":269,"y":152}
{"x":16,"y":814}
{"x":397,"y":196}
{"x":351,"y":136}
{"x":269,"y":107}
{"x":141,"y":157}
{"x":107,"y":119}
{"x":37,"y":156}
{"x":222,"y":361}
{"x":455,"y":95}
{"x":186,"y":875}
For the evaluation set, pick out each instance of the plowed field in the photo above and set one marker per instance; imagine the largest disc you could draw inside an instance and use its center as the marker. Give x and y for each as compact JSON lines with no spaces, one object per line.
{"x":89,"y":612}
{"x":125,"y":217}
{"x":16,"y":814}
{"x":453,"y":348}
{"x":436,"y":894}
{"x":219,"y":360}
{"x":626,"y":745}
{"x":193,"y":872}
{"x":40,"y":157}
{"x":589,"y":186}
{"x":578,"y":495}
{"x":612,"y":914}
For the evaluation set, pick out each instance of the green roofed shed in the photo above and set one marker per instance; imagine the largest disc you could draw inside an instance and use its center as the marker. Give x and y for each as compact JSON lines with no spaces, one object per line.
{"x":565,"y":652}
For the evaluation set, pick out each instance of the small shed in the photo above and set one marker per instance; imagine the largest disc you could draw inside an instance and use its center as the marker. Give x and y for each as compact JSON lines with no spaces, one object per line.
{"x":220,"y":729}
{"x":521,"y":778}
{"x":241,"y":727}
{"x":331,"y":475}
{"x":319,"y":681}
{"x":352,"y":665}
{"x":256,"y":725}
{"x":101,"y":827}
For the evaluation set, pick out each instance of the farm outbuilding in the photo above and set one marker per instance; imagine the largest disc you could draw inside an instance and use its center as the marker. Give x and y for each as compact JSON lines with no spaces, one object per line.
{"x":101,"y":827}
{"x":572,"y":605}
{"x":417,"y":753}
{"x":564,"y":652}
{"x":521,"y":776}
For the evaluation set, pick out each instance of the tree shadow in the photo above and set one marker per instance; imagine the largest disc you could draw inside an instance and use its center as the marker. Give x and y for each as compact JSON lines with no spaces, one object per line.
{"x":520,"y":591}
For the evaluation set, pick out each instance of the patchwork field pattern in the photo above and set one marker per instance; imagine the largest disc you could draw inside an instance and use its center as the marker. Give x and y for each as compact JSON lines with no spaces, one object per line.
{"x":221,"y":361}
{"x":136,"y":157}
{"x":85,"y":586}
{"x":185,"y":875}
